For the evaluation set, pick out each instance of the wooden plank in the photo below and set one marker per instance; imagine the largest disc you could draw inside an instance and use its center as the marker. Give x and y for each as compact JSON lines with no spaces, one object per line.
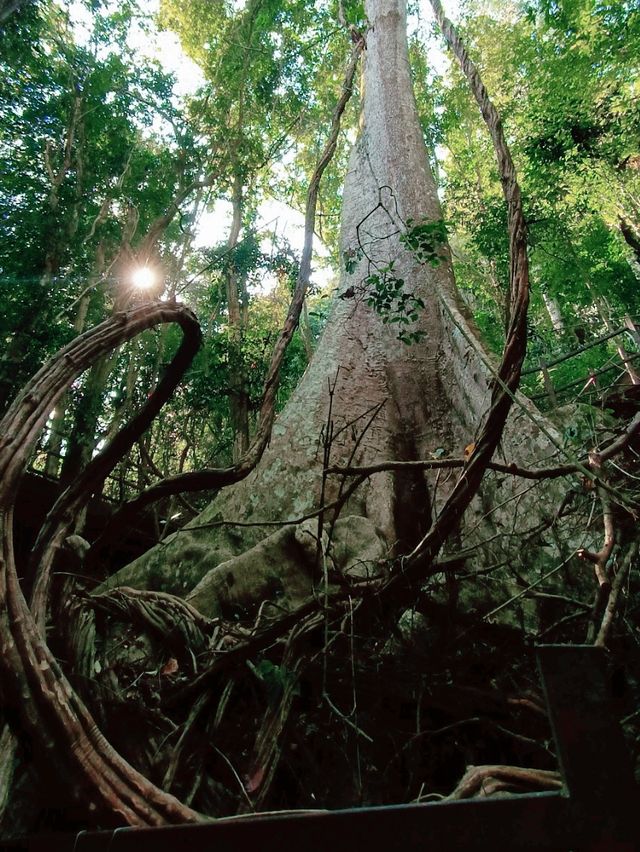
{"x":532,"y":823}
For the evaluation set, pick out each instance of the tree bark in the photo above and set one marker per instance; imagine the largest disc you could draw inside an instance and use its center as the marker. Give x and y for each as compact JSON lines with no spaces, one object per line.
{"x":367,"y":398}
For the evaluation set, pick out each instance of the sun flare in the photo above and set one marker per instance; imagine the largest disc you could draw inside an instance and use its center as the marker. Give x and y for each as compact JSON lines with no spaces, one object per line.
{"x":143,"y":277}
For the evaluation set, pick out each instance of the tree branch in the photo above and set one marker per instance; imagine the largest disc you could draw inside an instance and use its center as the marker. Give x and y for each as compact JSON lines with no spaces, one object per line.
{"x":614,"y":597}
{"x":511,"y":469}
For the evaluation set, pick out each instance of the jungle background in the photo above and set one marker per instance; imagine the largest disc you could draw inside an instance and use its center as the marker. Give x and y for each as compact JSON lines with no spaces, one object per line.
{"x":120,"y":188}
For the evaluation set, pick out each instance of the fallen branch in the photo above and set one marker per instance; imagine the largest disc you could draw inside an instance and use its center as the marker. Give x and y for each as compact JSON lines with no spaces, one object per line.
{"x":511,"y":469}
{"x":489,"y":780}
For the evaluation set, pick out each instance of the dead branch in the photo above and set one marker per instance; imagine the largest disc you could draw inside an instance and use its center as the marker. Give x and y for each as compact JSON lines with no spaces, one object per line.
{"x":198,"y":707}
{"x":617,"y":446}
{"x":489,"y":780}
{"x":614,"y":596}
{"x":268,"y":742}
{"x":601,"y":558}
{"x":438,"y":464}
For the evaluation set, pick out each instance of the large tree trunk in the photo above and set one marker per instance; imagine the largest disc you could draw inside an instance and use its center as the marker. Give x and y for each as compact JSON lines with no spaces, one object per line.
{"x":410,"y":401}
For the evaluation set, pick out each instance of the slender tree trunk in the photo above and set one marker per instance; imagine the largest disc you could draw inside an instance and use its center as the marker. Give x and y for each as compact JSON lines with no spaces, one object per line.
{"x":632,"y":239}
{"x":85,"y":423}
{"x":57,"y":430}
{"x":307,"y":337}
{"x":236,"y":295}
{"x":555,"y":314}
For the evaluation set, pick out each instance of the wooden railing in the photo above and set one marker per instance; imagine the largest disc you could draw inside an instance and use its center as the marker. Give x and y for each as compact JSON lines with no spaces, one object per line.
{"x":627,"y":364}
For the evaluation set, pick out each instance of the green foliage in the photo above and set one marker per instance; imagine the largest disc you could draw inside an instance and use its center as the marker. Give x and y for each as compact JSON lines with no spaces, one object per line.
{"x":79,"y":163}
{"x":354,"y":14}
{"x":229,"y":355}
{"x":564,"y":78}
{"x":430,"y":95}
{"x":351,"y":258}
{"x":258,"y":71}
{"x":104,"y":122}
{"x":387,"y":296}
{"x":426,"y":240}
{"x":384,"y":291}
